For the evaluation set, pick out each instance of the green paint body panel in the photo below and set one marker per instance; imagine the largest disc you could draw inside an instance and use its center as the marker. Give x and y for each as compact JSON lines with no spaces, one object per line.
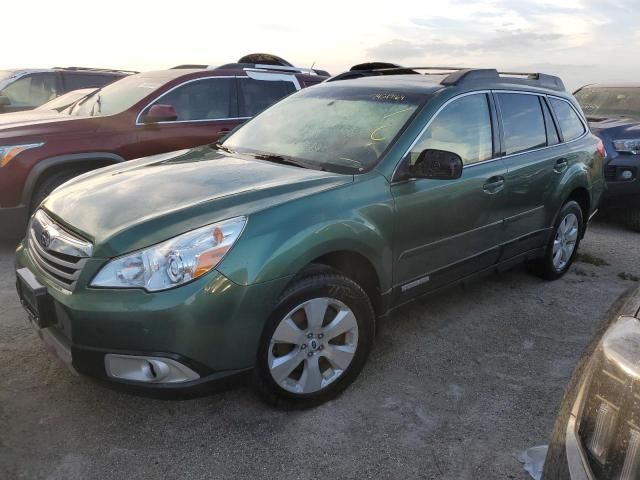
{"x":407,"y":229}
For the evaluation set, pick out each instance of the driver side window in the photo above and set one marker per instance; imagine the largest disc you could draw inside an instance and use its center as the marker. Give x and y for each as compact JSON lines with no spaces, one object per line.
{"x":462,"y":127}
{"x":202,"y":99}
{"x":32,"y":90}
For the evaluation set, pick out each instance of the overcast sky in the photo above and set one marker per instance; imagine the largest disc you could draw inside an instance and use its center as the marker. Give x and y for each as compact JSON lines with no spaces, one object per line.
{"x":582,"y":40}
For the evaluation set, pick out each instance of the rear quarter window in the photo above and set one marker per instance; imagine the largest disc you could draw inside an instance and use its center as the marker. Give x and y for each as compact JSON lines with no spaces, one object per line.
{"x":570,"y":124}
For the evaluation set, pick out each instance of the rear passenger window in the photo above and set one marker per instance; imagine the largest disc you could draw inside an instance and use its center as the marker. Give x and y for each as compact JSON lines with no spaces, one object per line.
{"x":570,"y":124}
{"x":462,"y":127}
{"x":257,"y":95}
{"x":522,"y":122}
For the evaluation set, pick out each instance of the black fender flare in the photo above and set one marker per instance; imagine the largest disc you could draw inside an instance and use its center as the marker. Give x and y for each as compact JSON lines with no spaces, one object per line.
{"x":39,"y":170}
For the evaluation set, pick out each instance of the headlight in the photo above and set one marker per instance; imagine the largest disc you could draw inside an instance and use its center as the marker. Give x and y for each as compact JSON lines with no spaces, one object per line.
{"x":627,"y":145}
{"x":9,"y":153}
{"x":174,"y":262}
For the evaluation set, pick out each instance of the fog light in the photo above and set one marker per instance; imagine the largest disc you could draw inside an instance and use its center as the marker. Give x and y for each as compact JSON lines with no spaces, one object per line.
{"x":626,"y":175}
{"x":147,"y":369}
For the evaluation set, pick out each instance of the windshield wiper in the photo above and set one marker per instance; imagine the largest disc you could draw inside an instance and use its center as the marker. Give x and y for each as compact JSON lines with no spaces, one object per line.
{"x":272,"y":157}
{"x":219,"y":146}
{"x":82,"y":100}
{"x":98,"y":104}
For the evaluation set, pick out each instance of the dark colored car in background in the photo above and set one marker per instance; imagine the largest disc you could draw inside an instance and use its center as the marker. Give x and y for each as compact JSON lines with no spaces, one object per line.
{"x":613,"y":112}
{"x":26,"y":89}
{"x":140,"y":115}
{"x":597,"y":432}
{"x":277,"y":250}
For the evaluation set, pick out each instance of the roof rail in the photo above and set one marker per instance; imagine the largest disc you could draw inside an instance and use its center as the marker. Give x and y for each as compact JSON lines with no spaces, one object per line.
{"x":454,"y":75}
{"x":260,"y":62}
{"x":532,"y":79}
{"x":91,"y":69}
{"x":272,"y":68}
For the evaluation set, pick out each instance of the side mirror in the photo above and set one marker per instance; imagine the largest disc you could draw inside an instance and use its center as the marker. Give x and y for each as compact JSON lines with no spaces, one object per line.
{"x":160,"y":113}
{"x":437,"y":165}
{"x":4,"y":101}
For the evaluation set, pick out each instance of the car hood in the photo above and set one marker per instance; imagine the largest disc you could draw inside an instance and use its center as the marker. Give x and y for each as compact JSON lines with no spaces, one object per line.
{"x":615,"y":127}
{"x":126,"y":207}
{"x":35,"y":123}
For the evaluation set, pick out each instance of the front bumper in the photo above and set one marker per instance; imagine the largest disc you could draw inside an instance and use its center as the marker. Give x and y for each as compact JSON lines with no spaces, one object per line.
{"x":212,"y":325}
{"x":622,"y":193}
{"x":13,"y":221}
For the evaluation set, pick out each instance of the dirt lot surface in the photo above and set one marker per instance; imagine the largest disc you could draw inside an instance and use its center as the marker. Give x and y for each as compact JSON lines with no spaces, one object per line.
{"x":457,"y":386}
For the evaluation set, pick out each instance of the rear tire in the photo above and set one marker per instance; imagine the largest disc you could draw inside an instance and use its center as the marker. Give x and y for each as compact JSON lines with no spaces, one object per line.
{"x":563,"y":244}
{"x":49,"y":184}
{"x":632,"y":219}
{"x":316,"y":341}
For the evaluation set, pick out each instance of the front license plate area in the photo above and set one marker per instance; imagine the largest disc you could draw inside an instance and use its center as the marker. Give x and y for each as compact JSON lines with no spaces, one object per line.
{"x":35,"y":299}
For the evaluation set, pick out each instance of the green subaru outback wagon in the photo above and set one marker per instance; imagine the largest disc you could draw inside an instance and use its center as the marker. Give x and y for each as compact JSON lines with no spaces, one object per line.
{"x":275,"y":253}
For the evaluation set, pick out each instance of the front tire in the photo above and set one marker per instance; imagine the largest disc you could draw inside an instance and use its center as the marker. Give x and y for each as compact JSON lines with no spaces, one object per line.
{"x":563,"y":245}
{"x":316,"y":341}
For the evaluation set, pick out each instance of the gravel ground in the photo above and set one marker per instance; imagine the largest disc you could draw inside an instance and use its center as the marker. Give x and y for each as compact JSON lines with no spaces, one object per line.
{"x":457,"y":386}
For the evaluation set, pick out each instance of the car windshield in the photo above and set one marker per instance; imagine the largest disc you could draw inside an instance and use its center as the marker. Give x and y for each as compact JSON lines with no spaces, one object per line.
{"x":339,"y":128}
{"x":116,"y":97}
{"x":610,"y":101}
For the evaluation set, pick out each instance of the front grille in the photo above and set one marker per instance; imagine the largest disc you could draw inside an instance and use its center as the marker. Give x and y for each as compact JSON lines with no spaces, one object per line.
{"x":610,"y":421}
{"x":60,"y":254}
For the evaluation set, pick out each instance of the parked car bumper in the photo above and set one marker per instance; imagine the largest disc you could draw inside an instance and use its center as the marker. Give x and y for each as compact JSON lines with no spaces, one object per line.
{"x":621,"y":192}
{"x":208,"y":330}
{"x":13,"y":221}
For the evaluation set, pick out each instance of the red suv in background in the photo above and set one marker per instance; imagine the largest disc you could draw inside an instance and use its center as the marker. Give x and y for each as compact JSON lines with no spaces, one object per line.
{"x":140,"y":115}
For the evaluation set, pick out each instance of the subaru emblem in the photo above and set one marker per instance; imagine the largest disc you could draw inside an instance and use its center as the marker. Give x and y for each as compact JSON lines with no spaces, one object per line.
{"x":45,"y":239}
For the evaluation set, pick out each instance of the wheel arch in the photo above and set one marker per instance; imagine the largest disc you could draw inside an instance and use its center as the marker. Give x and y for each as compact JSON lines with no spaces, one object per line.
{"x":582,"y":196}
{"x":53,"y":165}
{"x":355,"y":266}
{"x":576,"y":185}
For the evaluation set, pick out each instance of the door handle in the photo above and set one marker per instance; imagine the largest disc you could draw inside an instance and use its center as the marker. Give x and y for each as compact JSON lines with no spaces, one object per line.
{"x":494,"y":185}
{"x":561,"y":165}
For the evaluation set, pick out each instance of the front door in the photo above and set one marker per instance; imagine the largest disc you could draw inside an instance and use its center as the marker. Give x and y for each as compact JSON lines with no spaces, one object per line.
{"x":447,"y":229}
{"x":207,"y":110}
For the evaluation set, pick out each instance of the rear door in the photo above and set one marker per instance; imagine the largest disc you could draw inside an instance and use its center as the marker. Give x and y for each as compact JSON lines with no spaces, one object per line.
{"x":447,"y":229}
{"x":207,"y":109}
{"x":535,"y":162}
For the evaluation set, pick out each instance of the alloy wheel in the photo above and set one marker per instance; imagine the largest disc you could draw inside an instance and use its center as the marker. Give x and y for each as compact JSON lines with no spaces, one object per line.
{"x":313,"y":345}
{"x":564,"y":243}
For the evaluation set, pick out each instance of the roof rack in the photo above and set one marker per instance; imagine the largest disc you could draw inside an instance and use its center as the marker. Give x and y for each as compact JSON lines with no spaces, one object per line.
{"x":110,"y":70}
{"x":454,"y":75}
{"x":258,"y":61}
{"x":272,"y":68}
